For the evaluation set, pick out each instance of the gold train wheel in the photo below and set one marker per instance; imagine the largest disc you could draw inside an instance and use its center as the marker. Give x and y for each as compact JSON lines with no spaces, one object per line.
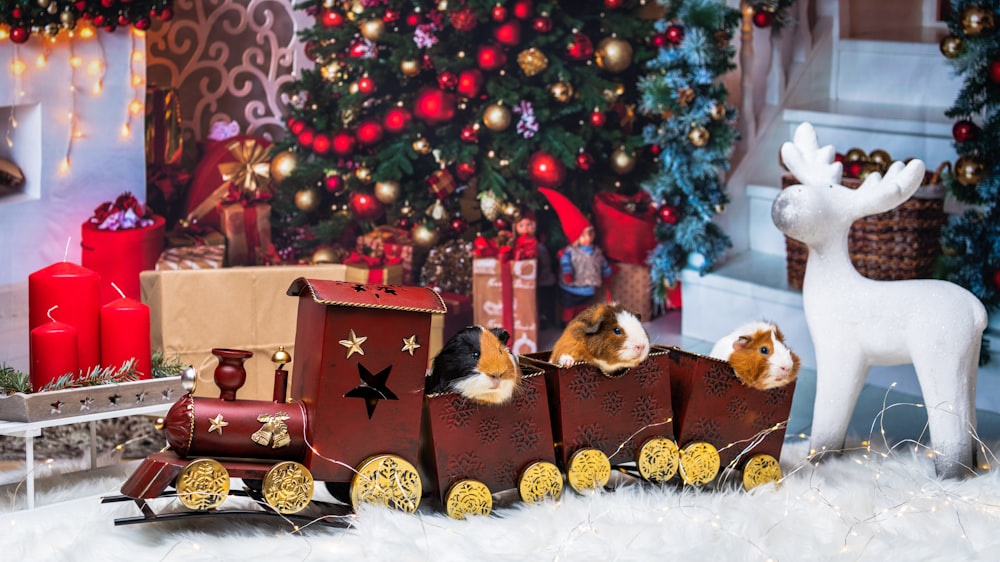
{"x":288,"y":487}
{"x":468,"y":497}
{"x":699,"y":463}
{"x":588,"y":469}
{"x":540,"y":480}
{"x":760,"y":469}
{"x":387,"y":480}
{"x":203,"y":484}
{"x":658,"y":459}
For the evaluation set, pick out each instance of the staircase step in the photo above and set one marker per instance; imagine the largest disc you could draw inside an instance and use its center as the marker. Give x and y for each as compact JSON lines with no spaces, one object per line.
{"x":894,"y":72}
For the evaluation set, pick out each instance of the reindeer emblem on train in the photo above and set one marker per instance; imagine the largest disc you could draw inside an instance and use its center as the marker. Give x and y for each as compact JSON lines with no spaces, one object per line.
{"x":362,"y":413}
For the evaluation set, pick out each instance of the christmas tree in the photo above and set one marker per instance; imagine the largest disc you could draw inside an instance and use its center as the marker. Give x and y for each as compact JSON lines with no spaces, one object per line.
{"x":694,"y":139}
{"x":971,"y":241}
{"x":20,"y":20}
{"x":416,"y":109}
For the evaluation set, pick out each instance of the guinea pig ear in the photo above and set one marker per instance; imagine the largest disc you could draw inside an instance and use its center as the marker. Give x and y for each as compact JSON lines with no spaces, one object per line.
{"x":741,"y":342}
{"x":593,"y":328}
{"x":501,"y":334}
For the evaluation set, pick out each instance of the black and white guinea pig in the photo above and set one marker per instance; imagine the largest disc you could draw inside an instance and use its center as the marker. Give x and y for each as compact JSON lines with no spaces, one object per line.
{"x":758,"y":355}
{"x":477,"y":364}
{"x":605,"y":335}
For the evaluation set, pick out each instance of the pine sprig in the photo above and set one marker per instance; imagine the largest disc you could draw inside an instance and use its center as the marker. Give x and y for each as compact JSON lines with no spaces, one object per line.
{"x":163,"y":367}
{"x":12,"y":380}
{"x":95,"y":376}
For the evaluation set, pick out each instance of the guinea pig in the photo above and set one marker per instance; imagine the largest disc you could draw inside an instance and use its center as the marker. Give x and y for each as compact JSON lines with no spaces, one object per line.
{"x":605,"y":335}
{"x":476,"y":363}
{"x":758,"y":355}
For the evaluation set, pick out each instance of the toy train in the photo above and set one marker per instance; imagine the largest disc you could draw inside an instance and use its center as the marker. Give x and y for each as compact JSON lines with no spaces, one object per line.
{"x":356,"y":417}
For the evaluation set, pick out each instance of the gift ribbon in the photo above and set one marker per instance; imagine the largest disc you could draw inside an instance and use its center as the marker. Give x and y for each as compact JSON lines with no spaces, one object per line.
{"x":490,"y":248}
{"x":248,"y":178}
{"x":374,"y":264}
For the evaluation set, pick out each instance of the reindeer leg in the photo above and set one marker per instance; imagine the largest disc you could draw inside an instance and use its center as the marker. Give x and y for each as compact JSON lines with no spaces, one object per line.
{"x":948,"y":383}
{"x":839,"y":379}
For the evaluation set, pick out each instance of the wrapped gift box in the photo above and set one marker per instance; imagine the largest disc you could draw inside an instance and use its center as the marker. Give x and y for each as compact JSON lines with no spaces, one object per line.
{"x":631,"y":286}
{"x":190,"y":249}
{"x":193,"y":311}
{"x":492,"y":288}
{"x":394,"y":244}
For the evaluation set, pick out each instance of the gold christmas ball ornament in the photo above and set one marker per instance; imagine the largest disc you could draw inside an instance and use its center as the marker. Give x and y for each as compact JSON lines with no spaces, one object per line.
{"x":613,"y":54}
{"x":717,"y":111}
{"x":363,"y":174}
{"x":422,"y":146}
{"x":977,"y":20}
{"x":425,"y":236}
{"x":562,"y":92}
{"x":307,"y":200}
{"x":698,"y":135}
{"x":856,"y":155}
{"x":622,"y":161}
{"x":324,"y":254}
{"x":387,"y":192}
{"x":409,"y":67}
{"x":532,"y":61}
{"x":282,"y":166}
{"x":951,"y":46}
{"x":372,"y":29}
{"x":968,"y":171}
{"x":881,"y":159}
{"x":510,"y":210}
{"x":497,"y":117}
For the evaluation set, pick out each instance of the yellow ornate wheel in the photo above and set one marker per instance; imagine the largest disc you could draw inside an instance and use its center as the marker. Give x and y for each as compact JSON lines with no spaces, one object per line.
{"x":699,"y":463}
{"x":658,"y":459}
{"x":203,"y":484}
{"x":540,"y":480}
{"x":588,"y":469}
{"x":468,"y":497}
{"x":288,"y":487}
{"x":760,"y":469}
{"x":387,"y":480}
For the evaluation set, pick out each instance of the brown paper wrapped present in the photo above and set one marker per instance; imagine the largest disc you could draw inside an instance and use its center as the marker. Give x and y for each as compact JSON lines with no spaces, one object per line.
{"x":394,"y":244}
{"x":193,"y":311}
{"x":631,"y":286}
{"x":503,"y":296}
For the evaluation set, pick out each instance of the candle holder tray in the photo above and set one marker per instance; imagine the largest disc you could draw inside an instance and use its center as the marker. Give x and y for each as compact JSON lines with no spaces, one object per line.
{"x":55,"y":404}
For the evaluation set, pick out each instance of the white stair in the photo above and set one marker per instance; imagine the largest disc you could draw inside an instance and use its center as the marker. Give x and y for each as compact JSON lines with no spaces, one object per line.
{"x":871,"y":89}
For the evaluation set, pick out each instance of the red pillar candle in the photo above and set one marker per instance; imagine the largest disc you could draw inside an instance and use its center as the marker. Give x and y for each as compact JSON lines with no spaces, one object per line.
{"x":53,"y":351}
{"x":75,"y":290}
{"x":125,"y":335}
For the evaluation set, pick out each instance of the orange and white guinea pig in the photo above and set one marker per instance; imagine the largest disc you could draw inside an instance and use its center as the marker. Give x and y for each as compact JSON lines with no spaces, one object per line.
{"x":758,"y":355}
{"x":477,"y":364}
{"x":605,"y":335}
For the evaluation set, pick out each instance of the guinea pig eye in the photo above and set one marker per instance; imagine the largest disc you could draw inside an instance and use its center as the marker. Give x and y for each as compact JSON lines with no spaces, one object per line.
{"x":617,"y":331}
{"x":764,"y":350}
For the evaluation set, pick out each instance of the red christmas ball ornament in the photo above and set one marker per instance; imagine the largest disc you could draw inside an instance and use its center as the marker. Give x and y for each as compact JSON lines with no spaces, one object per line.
{"x":763,"y":18}
{"x":142,"y":24}
{"x":996,"y":279}
{"x":359,"y":49}
{"x":457,"y":226}
{"x":508,"y":33}
{"x":390,"y":16}
{"x":396,"y":120}
{"x":463,"y":19}
{"x":17,"y":14}
{"x":370,"y":132}
{"x":296,"y":126}
{"x":837,"y":157}
{"x":597,"y":118}
{"x":413,"y":19}
{"x":364,"y":206}
{"x":668,"y":214}
{"x":465,"y":170}
{"x":853,"y":169}
{"x":404,"y":223}
{"x":542,"y":24}
{"x":499,"y":12}
{"x":321,"y":143}
{"x":546,"y":170}
{"x":658,"y":40}
{"x":80,"y":6}
{"x":434,"y":106}
{"x":994,"y":71}
{"x":330,"y":19}
{"x":307,"y":136}
{"x":613,"y":4}
{"x":366,"y":85}
{"x":655,"y":150}
{"x":99,"y":20}
{"x":584,"y":161}
{"x":469,"y":82}
{"x":123,"y":19}
{"x":674,"y":34}
{"x":469,"y":134}
{"x":166,"y":14}
{"x":964,"y":131}
{"x":334,"y":184}
{"x":448,"y":80}
{"x":581,"y":48}
{"x":523,"y":9}
{"x":343,"y":143}
{"x":19,"y":34}
{"x":107,"y":3}
{"x":491,"y":57}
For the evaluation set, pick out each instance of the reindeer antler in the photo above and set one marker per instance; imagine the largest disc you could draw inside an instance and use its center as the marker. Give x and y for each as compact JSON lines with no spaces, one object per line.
{"x":808,"y":162}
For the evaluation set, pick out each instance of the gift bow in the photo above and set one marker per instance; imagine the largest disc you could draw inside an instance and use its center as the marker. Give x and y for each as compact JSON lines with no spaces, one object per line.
{"x":371,"y":262}
{"x":249,"y":176}
{"x":490,"y":248}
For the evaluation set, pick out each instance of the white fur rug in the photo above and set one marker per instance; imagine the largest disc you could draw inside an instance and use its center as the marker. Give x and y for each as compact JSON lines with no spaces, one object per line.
{"x":861,"y":506}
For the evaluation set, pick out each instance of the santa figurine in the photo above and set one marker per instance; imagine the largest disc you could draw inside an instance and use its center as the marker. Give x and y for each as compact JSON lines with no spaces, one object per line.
{"x":582,"y":265}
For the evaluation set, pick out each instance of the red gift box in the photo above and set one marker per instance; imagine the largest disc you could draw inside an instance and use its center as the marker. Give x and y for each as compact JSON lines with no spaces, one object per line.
{"x":119,"y":255}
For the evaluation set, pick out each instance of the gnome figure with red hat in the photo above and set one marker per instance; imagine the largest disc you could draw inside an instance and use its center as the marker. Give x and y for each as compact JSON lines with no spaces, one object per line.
{"x":582,"y":265}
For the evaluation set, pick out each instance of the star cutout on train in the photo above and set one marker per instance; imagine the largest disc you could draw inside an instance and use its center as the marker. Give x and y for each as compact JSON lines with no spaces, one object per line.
{"x":353,"y":344}
{"x":410,"y":344}
{"x":372,"y":388}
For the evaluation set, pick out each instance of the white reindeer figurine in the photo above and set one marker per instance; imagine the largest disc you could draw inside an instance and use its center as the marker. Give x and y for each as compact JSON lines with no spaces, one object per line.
{"x":856,"y":322}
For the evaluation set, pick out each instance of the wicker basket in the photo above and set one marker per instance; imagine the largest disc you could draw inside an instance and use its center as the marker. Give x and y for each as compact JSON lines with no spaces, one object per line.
{"x":899,"y":244}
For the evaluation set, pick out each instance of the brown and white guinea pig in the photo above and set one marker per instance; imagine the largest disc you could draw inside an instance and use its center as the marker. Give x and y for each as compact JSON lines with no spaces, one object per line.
{"x":476,"y":363}
{"x":605,"y":335}
{"x":758,"y":355}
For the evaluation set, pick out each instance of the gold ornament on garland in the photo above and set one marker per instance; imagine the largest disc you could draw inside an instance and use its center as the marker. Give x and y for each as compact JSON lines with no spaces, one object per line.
{"x":951,"y":46}
{"x":613,"y":54}
{"x":622,"y":161}
{"x":968,"y":171}
{"x":282,"y":166}
{"x":422,"y":146}
{"x":372,"y":29}
{"x":409,"y":67}
{"x":562,"y":92}
{"x":698,"y":135}
{"x":387,"y":192}
{"x":497,"y":117}
{"x":307,"y":200}
{"x":363,"y":174}
{"x":532,"y":61}
{"x":717,"y":111}
{"x":424,"y":236}
{"x":977,"y":20}
{"x":325,"y":254}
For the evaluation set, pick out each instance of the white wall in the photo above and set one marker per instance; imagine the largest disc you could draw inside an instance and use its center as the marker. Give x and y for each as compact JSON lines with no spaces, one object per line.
{"x":34,"y":227}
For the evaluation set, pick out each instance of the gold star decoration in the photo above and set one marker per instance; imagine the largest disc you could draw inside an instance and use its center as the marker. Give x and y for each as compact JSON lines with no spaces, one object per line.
{"x":353,"y":344}
{"x":410,"y":344}
{"x":217,"y":423}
